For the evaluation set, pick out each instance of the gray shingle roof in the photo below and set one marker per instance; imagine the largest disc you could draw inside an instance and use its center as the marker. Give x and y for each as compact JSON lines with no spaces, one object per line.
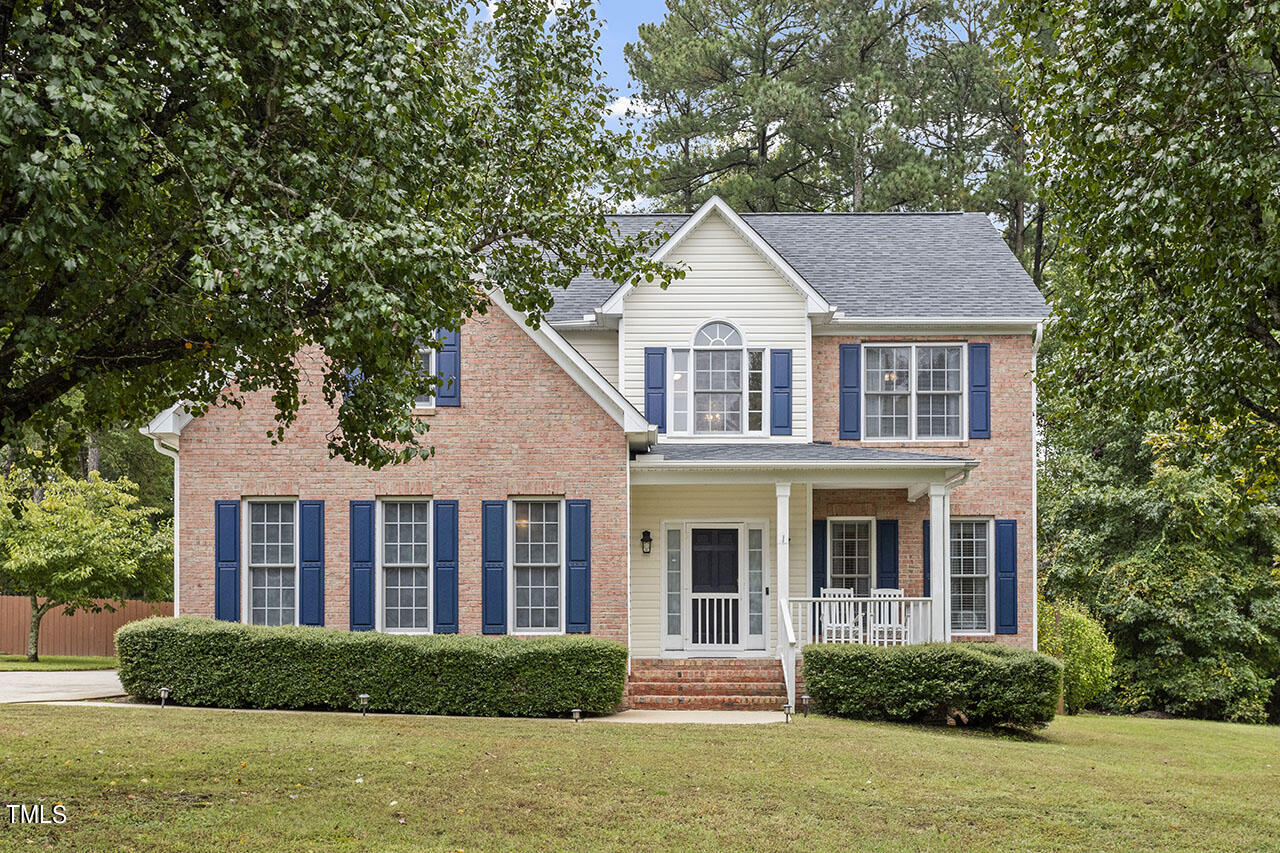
{"x":871,"y":265}
{"x":791,"y":452}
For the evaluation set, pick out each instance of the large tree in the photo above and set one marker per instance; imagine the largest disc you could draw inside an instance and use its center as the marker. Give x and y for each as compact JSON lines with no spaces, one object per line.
{"x":190,"y":193}
{"x":782,"y":104}
{"x":1157,"y":132}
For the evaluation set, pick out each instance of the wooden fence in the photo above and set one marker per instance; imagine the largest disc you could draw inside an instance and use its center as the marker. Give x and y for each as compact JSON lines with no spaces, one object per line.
{"x":79,"y":634}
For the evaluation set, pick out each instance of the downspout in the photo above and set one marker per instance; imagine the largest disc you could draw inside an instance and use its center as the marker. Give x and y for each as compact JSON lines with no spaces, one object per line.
{"x":161,"y":447}
{"x":1035,"y":490}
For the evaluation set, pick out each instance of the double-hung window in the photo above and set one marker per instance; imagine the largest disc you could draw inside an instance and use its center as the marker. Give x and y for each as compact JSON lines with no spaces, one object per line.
{"x":537,"y":565}
{"x":718,"y":384}
{"x":850,"y":546}
{"x":971,"y":576}
{"x":406,"y":566}
{"x":914,"y":391}
{"x":273,"y":576}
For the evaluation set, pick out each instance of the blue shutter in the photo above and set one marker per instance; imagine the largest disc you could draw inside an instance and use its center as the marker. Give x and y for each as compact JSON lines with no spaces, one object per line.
{"x":887,"y":553}
{"x":1006,"y":576}
{"x":780,"y":392}
{"x":311,"y":563}
{"x":226,"y":560}
{"x":444,"y":567}
{"x":655,"y":387}
{"x":850,"y":391}
{"x":578,"y":551}
{"x":819,"y":555}
{"x":928,"y":587}
{"x":362,"y":557}
{"x":493,"y":567}
{"x":980,"y":390}
{"x":449,"y":367}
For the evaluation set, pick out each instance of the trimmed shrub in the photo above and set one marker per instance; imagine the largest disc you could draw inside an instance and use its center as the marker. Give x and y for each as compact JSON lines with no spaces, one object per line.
{"x":228,"y":665}
{"x":1088,"y":657}
{"x":982,"y":684}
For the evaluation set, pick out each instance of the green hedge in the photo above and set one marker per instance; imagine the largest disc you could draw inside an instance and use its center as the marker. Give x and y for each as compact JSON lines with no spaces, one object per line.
{"x":1072,"y":636}
{"x":981,"y":684}
{"x":228,"y":665}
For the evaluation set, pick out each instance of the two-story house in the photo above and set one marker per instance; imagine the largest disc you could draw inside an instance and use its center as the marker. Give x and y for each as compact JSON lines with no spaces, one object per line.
{"x":823,"y":433}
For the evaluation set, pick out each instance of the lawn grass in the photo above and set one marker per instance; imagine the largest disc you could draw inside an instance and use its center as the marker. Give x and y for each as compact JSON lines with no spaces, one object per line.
{"x":54,"y":663}
{"x":190,"y":779}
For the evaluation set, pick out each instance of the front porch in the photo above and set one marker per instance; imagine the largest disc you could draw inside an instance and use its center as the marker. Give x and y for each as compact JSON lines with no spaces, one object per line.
{"x":717,"y":530}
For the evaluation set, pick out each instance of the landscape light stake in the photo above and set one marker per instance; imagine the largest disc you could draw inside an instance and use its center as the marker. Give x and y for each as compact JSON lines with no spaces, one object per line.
{"x":364,"y":703}
{"x":805,"y":700}
{"x":577,"y":715}
{"x":164,"y":694}
{"x":788,"y":710}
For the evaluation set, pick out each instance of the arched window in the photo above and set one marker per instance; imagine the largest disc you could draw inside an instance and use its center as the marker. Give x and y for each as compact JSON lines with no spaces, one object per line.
{"x":717,"y":334}
{"x":724,"y":390}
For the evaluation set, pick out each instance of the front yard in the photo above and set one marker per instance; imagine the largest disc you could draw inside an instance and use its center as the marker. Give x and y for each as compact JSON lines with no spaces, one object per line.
{"x":187,"y":779}
{"x":54,"y":663}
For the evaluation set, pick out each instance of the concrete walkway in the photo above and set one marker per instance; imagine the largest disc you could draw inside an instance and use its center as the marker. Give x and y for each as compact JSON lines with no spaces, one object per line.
{"x":58,"y":686}
{"x":719,"y":718}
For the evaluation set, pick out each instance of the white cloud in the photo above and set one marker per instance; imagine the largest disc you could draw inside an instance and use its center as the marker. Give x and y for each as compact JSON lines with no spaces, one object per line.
{"x":622,"y":104}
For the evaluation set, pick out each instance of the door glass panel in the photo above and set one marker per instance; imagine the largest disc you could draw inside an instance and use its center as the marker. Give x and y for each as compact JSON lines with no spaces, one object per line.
{"x":755,"y":581}
{"x":673,"y":582}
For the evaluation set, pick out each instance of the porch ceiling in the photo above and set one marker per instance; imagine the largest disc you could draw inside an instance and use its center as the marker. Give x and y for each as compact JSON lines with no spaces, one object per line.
{"x":824,"y":465}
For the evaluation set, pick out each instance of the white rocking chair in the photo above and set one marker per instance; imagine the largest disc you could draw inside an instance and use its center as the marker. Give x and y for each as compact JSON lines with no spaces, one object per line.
{"x":888,"y":617}
{"x":839,"y":616}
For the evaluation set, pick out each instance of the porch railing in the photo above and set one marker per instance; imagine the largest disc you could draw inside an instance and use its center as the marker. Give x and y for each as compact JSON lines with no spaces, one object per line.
{"x":788,"y":648}
{"x":868,"y":621}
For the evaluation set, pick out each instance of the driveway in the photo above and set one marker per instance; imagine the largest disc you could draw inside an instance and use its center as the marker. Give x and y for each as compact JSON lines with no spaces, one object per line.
{"x":56,"y":686}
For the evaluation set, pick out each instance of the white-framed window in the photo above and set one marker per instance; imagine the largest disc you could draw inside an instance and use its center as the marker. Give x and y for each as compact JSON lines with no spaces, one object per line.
{"x":427,"y":364}
{"x":972,"y":577}
{"x":717,"y":384}
{"x":271,"y":545}
{"x":851,"y":554}
{"x":537,"y":565}
{"x":913,"y":391}
{"x":405,"y":565}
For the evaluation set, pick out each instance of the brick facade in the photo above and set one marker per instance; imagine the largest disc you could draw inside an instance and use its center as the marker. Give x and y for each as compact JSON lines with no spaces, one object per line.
{"x":1002,"y":486}
{"x":524,"y":428}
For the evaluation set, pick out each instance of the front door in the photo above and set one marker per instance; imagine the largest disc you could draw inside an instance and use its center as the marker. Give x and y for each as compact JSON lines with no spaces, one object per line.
{"x":715,"y":617}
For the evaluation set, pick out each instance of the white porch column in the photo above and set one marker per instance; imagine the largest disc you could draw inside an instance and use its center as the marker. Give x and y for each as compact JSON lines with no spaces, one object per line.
{"x":782,"y":575}
{"x":939,"y":564}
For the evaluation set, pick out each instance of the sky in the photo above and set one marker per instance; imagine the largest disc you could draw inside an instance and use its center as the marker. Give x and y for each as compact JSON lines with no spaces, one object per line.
{"x":622,"y":18}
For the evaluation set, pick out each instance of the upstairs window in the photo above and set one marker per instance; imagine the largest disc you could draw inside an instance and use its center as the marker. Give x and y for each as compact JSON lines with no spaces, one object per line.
{"x":718,"y":384}
{"x":427,"y":364}
{"x":914,"y":391}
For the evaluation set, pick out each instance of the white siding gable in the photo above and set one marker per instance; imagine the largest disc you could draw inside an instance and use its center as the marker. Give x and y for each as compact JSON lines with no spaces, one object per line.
{"x":726,"y":279}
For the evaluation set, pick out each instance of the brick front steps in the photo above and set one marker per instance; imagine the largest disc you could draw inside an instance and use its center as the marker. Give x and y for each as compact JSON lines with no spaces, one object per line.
{"x":720,"y":684}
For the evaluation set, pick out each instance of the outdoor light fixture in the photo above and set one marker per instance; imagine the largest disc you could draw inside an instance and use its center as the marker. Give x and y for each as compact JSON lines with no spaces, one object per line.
{"x":805,"y":700}
{"x":164,"y":694}
{"x":646,"y":542}
{"x":577,"y":715}
{"x":788,"y":710}
{"x":364,"y":703}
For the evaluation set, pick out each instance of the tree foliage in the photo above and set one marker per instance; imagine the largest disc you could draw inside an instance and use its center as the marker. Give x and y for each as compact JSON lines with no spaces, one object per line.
{"x":836,"y":105}
{"x":1155,"y":127}
{"x":81,"y":544}
{"x":190,"y":193}
{"x":1170,"y":553}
